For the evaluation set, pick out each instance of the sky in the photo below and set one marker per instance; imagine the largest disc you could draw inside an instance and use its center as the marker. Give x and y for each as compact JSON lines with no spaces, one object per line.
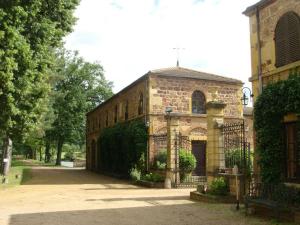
{"x":130,"y":37}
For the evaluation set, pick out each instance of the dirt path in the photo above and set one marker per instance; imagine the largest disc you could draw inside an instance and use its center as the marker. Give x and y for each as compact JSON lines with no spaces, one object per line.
{"x":59,"y":196}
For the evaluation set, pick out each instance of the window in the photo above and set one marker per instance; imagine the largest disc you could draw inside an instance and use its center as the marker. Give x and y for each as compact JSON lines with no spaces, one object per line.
{"x":198,"y":103}
{"x":116,"y":114}
{"x":293,"y":151}
{"x":287,"y":39}
{"x":126,"y":110}
{"x":141,"y":104}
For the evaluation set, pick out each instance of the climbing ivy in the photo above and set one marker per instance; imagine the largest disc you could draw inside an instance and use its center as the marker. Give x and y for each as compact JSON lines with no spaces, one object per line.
{"x":123,"y":147}
{"x":277,"y":100}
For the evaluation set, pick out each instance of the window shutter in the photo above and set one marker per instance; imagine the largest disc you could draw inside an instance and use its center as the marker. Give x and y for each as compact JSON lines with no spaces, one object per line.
{"x":287,"y":39}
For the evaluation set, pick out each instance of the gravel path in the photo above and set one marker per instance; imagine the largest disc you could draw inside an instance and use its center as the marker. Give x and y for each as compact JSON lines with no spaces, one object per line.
{"x":59,"y":196}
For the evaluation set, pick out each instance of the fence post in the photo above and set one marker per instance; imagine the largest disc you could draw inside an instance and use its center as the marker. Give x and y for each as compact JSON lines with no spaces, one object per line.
{"x":215,"y":121}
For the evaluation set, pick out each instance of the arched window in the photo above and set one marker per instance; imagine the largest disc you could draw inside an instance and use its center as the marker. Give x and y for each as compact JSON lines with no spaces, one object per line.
{"x":126,"y":110}
{"x":198,"y":103}
{"x":287,"y":39}
{"x":141,"y":104}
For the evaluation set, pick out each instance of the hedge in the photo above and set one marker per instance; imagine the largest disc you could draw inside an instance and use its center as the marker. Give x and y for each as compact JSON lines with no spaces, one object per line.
{"x":122,"y":147}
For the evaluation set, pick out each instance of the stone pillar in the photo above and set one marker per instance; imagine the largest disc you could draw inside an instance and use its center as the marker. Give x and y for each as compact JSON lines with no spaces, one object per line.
{"x":172,"y":148}
{"x":214,"y":149}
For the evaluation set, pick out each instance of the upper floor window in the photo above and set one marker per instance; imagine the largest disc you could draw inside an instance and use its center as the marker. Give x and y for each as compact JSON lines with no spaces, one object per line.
{"x":141,"y":104}
{"x":198,"y":103}
{"x":287,"y":39}
{"x":116,"y":113}
{"x":126,"y":110}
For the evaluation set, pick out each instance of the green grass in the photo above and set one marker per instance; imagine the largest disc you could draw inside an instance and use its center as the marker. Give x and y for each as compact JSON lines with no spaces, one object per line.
{"x":20,"y":172}
{"x":17,"y":170}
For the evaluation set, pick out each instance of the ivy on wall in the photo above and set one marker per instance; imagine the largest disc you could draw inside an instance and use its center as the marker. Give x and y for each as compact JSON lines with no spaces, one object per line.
{"x":277,"y":100}
{"x":123,"y":147}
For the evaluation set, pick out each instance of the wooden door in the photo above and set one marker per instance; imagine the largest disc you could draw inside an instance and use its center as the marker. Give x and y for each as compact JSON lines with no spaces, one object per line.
{"x":199,"y":151}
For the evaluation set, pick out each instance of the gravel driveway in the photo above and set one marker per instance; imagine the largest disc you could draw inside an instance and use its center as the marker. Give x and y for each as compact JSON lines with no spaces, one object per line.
{"x":59,"y":196}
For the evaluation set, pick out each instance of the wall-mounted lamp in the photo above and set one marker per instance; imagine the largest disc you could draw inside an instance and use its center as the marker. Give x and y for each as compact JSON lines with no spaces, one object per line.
{"x":247,"y":95}
{"x":168,"y":110}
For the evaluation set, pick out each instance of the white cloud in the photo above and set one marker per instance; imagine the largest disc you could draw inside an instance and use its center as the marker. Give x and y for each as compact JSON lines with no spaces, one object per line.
{"x":131,"y":37}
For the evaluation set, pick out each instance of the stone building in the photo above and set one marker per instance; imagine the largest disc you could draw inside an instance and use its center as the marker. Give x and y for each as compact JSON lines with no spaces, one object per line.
{"x":185,"y":91}
{"x":275,"y":52}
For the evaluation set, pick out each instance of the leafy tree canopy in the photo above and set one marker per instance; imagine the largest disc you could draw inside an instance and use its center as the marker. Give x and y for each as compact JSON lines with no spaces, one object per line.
{"x":29,"y":31}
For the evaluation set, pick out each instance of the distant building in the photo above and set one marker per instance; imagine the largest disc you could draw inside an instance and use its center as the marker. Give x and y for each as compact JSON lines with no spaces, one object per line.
{"x":185,"y":91}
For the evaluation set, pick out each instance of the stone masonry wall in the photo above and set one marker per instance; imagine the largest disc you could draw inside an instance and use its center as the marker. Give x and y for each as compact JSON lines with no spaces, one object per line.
{"x":269,"y":17}
{"x":177,"y":93}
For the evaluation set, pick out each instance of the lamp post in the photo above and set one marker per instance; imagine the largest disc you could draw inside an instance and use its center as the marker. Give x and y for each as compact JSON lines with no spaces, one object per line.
{"x":247,"y":95}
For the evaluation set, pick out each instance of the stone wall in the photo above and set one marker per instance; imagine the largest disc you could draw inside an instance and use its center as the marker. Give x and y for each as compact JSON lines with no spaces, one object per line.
{"x":269,"y":17}
{"x":177,"y":93}
{"x":96,"y":119}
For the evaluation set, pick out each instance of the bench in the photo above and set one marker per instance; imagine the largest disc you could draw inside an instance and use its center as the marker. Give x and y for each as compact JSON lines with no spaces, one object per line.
{"x":277,"y":198}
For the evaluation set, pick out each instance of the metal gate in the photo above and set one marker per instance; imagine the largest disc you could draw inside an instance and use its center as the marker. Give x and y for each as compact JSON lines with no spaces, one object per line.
{"x":236,"y":148}
{"x":183,"y":145}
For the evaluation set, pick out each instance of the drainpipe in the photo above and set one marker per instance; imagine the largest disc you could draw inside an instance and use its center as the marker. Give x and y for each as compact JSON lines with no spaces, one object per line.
{"x":259,"y":69}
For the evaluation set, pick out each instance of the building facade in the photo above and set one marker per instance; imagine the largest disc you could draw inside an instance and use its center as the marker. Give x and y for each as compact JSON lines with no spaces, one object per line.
{"x":275,"y":53}
{"x":185,"y":91}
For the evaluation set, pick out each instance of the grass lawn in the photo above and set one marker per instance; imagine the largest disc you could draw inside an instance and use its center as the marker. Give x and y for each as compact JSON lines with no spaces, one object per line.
{"x":20,"y":172}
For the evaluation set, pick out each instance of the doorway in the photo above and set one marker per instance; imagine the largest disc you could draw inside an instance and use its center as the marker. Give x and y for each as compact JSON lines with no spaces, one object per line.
{"x":199,"y":151}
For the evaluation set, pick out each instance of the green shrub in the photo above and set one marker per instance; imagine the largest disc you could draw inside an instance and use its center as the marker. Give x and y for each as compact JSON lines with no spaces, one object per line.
{"x":153,"y":177}
{"x":218,"y":187}
{"x":187,"y":163}
{"x":122,"y":147}
{"x":135,"y":174}
{"x":70,"y":156}
{"x":277,"y":100}
{"x":160,"y":161}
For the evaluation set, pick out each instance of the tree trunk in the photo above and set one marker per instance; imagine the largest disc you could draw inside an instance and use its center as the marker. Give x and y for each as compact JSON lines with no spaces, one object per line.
{"x":60,"y":143}
{"x":6,"y":156}
{"x":40,"y":151}
{"x":47,"y":152}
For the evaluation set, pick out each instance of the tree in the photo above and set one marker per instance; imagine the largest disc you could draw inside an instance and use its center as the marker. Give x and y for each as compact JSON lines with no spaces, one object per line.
{"x":81,"y":88}
{"x":29,"y":31}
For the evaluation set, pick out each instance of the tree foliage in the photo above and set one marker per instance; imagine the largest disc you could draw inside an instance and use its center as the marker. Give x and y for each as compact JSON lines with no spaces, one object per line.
{"x":277,"y":100}
{"x":29,"y":30}
{"x":81,"y":86}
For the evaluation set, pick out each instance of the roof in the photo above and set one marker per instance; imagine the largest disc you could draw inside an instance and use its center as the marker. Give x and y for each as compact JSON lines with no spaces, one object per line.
{"x":181,"y":72}
{"x":261,"y":4}
{"x":178,"y":72}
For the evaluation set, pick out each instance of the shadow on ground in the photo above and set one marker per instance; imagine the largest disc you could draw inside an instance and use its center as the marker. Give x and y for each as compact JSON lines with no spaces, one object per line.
{"x":65,"y":176}
{"x":187,"y":214}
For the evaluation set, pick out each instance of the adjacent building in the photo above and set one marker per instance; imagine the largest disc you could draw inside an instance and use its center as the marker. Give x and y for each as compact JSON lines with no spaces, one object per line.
{"x":275,"y":52}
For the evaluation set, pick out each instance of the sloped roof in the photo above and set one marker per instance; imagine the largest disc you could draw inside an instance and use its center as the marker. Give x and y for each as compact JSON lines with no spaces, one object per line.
{"x":261,"y":4}
{"x":181,"y":72}
{"x":178,"y":72}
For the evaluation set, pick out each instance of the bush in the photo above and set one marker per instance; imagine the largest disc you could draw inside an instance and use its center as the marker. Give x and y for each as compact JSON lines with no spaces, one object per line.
{"x":135,"y":174}
{"x":187,"y":162}
{"x":122,"y":147}
{"x":277,"y":100}
{"x":70,"y":156}
{"x":218,"y":187}
{"x":161,"y":160}
{"x":153,"y":177}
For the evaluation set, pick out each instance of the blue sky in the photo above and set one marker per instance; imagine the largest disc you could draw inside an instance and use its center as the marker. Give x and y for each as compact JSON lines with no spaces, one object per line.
{"x":131,"y":37}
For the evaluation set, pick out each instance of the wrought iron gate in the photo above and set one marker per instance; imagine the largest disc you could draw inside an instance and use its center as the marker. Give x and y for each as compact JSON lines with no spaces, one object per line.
{"x":236,"y":148}
{"x":183,"y":143}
